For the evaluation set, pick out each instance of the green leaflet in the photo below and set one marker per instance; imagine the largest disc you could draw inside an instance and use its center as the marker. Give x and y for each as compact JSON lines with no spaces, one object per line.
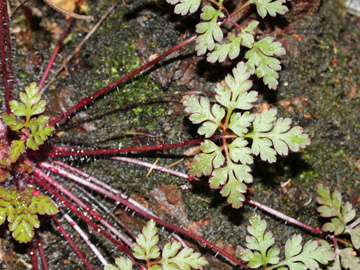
{"x":121,"y":263}
{"x":270,"y":7}
{"x":20,"y":209}
{"x":184,"y":7}
{"x":232,"y":49}
{"x":262,"y":63}
{"x":34,"y":130}
{"x":227,"y":162}
{"x":172,"y":257}
{"x":331,"y":206}
{"x":260,"y":250}
{"x":146,"y":243}
{"x":209,"y":31}
{"x":269,"y":131}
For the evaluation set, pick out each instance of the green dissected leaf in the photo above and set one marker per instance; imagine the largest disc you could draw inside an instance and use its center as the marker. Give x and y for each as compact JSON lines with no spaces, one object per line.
{"x":39,"y":132}
{"x":232,"y":49}
{"x":262,"y":63}
{"x":146,"y":243}
{"x":184,"y":7}
{"x":17,"y":148}
{"x":235,"y":95}
{"x":331,"y":206}
{"x":184,"y":260}
{"x":239,"y":123}
{"x":23,"y":227}
{"x":238,"y":151}
{"x":42,"y":205}
{"x":210,"y":159}
{"x":121,"y":263}
{"x":268,"y":133}
{"x":259,"y":252}
{"x":11,"y":120}
{"x":200,"y":111}
{"x":20,"y":210}
{"x":348,"y":258}
{"x":307,"y":257}
{"x":232,"y":179}
{"x":171,"y":259}
{"x":270,"y":7}
{"x":32,"y":105}
{"x":355,"y":236}
{"x":208,"y":31}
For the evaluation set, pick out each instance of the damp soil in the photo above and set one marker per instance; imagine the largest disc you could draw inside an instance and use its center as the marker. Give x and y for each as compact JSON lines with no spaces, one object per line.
{"x":319,"y":90}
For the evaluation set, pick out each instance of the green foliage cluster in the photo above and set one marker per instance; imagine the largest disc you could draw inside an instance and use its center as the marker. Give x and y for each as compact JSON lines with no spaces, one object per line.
{"x":340,"y":214}
{"x":261,"y":251}
{"x":34,"y":130}
{"x":20,"y":209}
{"x":171,"y":258}
{"x":228,"y":162}
{"x":260,"y":55}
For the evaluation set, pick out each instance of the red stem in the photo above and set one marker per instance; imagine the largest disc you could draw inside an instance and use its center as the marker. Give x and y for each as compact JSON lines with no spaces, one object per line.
{"x":85,"y":207}
{"x":72,"y":244}
{"x":67,"y":151}
{"x":54,"y":55}
{"x":91,"y":98}
{"x":5,"y":55}
{"x":284,"y":217}
{"x":156,"y":167}
{"x":150,"y":216}
{"x":39,"y":175}
{"x":41,"y":251}
{"x":33,"y":256}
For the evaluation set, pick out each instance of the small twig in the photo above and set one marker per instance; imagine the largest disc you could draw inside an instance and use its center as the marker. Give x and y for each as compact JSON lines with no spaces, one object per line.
{"x":68,"y":13}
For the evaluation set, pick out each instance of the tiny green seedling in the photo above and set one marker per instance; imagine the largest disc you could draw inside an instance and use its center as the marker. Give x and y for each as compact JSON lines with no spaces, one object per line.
{"x":34,"y":131}
{"x":171,"y":258}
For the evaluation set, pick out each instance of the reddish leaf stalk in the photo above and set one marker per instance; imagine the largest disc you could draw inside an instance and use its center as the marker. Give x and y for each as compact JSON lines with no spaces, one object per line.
{"x":71,"y":243}
{"x":92,"y":199}
{"x":99,"y":183}
{"x":72,"y":207}
{"x":5,"y":55}
{"x":41,"y":251}
{"x":63,"y":151}
{"x":83,"y":102}
{"x":156,"y":167}
{"x":284,"y":217}
{"x":54,"y":54}
{"x":85,"y":207}
{"x":84,"y":236}
{"x":33,"y":256}
{"x":151,"y":216}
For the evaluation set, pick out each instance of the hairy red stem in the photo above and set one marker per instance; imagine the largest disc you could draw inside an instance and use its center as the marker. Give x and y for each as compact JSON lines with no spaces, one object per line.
{"x":284,"y":217}
{"x":41,"y":251}
{"x":5,"y":55}
{"x":156,"y":219}
{"x":69,"y":151}
{"x":85,"y":207}
{"x":33,"y":256}
{"x":155,"y":167}
{"x":54,"y":54}
{"x":91,"y":98}
{"x":39,"y":179}
{"x":71,"y":243}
